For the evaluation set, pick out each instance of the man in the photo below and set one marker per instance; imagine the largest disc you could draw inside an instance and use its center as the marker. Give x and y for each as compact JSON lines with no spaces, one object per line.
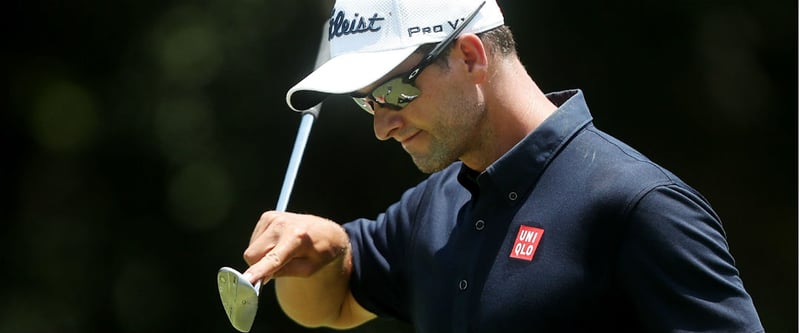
{"x":532,"y":219}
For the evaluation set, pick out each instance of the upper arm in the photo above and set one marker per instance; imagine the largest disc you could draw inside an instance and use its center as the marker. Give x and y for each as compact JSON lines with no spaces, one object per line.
{"x":677,"y":268}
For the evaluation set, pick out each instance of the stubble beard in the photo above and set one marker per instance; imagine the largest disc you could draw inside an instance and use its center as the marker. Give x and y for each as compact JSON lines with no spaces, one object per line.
{"x":452,"y":136}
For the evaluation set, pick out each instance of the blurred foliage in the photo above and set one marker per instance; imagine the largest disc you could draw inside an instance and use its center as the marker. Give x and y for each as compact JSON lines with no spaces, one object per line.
{"x":143,"y":139}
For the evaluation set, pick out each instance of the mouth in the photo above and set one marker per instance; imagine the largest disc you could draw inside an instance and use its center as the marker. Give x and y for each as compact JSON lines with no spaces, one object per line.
{"x":407,"y":140}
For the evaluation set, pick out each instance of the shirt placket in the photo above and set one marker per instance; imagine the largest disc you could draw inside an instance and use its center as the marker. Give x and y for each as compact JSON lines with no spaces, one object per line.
{"x":472,"y":230}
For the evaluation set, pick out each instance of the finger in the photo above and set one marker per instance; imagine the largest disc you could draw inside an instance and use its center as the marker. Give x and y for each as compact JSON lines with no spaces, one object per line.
{"x":263,"y":222}
{"x":275,"y":259}
{"x":260,"y":246}
{"x":265,"y":236}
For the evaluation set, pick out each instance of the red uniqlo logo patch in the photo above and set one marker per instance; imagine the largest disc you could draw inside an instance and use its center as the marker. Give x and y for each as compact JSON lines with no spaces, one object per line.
{"x":526,"y":242}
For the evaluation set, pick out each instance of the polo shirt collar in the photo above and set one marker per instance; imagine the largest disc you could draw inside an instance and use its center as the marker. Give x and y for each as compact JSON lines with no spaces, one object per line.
{"x":517,"y":170}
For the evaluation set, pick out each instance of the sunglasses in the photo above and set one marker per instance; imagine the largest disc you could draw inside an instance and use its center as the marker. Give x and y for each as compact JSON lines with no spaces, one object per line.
{"x":396,"y":92}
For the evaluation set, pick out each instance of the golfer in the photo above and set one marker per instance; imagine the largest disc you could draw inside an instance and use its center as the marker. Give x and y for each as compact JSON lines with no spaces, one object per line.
{"x":532,"y":219}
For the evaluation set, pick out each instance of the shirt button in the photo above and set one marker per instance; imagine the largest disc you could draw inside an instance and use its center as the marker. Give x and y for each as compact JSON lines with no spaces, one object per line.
{"x":512,"y":196}
{"x":462,"y":285}
{"x":479,"y":225}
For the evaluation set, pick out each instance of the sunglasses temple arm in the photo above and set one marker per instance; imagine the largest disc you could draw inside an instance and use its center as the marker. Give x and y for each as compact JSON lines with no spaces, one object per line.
{"x":452,"y":35}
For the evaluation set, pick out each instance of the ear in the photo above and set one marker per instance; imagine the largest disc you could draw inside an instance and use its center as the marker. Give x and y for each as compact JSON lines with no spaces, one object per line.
{"x":473,"y":55}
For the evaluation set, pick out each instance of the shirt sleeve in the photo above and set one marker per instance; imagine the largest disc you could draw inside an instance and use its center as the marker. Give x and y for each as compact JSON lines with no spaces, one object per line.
{"x":379,"y":250}
{"x":677,"y":268}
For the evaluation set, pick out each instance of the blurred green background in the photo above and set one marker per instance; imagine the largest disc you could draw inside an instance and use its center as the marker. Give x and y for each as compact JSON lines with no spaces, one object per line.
{"x":141,"y":140}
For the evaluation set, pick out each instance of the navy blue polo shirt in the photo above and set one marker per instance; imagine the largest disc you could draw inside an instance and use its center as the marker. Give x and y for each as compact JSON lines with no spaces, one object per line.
{"x":570,"y":231}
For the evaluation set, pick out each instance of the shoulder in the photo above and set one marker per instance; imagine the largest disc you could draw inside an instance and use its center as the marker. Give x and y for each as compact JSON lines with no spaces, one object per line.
{"x":609,"y":177}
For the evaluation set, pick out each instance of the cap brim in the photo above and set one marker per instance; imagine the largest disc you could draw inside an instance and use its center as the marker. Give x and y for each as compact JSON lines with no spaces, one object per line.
{"x":344,"y":74}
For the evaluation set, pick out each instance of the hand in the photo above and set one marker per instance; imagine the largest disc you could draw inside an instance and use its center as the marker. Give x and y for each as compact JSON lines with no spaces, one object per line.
{"x":287,"y":244}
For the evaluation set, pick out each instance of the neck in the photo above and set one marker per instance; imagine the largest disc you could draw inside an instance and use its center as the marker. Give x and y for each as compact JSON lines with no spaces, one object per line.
{"x":515,"y":106}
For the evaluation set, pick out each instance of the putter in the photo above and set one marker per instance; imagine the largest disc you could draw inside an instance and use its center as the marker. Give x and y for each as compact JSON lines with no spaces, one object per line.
{"x":239,"y":297}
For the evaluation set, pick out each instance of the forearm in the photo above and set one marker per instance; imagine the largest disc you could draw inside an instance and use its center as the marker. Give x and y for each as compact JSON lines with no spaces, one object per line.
{"x":317,"y":300}
{"x":310,"y":259}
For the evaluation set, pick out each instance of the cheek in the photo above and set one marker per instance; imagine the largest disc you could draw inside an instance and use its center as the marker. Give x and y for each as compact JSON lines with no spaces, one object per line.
{"x":444,"y":99}
{"x":437,"y":92}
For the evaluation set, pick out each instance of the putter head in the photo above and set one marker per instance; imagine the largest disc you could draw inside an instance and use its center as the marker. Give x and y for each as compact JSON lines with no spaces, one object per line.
{"x":239,"y":297}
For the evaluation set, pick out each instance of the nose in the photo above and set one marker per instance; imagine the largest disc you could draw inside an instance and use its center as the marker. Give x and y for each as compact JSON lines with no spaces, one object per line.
{"x":386,"y":122}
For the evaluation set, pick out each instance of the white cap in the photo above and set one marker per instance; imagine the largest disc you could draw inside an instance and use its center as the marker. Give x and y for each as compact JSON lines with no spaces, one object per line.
{"x":369,"y":38}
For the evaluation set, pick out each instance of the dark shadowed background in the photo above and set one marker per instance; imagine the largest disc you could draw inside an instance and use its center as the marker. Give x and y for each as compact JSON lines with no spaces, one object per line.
{"x":141,"y":140}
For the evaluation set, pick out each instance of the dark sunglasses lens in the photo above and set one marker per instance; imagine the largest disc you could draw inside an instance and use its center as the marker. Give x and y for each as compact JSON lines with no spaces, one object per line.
{"x":395,"y":93}
{"x":362,"y":102}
